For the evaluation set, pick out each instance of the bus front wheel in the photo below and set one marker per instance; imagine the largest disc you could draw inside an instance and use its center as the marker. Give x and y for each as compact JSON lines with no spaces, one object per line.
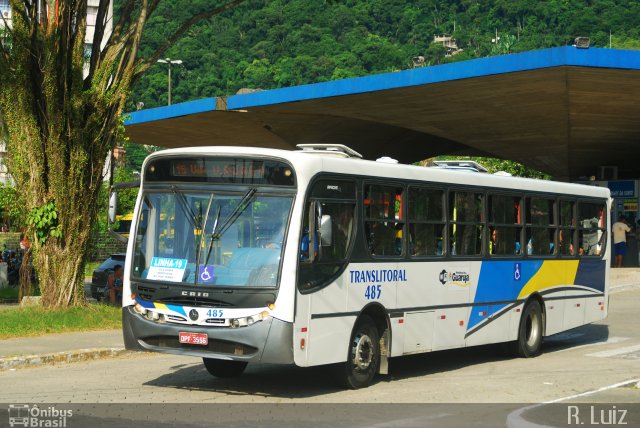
{"x":224,"y":368}
{"x":530,"y":331}
{"x":363,"y":358}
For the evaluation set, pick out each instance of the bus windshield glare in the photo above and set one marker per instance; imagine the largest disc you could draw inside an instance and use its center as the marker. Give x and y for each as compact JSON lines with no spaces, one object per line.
{"x":218,"y":239}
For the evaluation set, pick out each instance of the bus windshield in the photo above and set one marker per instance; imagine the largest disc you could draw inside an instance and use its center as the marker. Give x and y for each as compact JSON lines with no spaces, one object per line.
{"x":211,"y":239}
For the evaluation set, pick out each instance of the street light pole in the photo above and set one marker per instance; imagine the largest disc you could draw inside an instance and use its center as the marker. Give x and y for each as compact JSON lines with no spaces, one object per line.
{"x":169,"y":62}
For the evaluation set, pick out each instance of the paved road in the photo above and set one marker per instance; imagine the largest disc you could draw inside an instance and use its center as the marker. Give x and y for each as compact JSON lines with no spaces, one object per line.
{"x":586,"y":359}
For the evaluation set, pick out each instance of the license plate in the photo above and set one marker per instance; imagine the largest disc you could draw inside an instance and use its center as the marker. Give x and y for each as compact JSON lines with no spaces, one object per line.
{"x":194,"y":338}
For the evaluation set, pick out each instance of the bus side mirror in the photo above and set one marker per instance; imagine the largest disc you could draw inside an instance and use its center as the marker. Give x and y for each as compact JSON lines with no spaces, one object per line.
{"x":326,"y":226}
{"x":113,"y":208}
{"x":111,"y":217}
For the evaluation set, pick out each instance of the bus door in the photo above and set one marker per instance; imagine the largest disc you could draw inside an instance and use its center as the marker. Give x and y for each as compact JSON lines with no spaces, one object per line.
{"x":459,"y":275}
{"x":326,"y":239}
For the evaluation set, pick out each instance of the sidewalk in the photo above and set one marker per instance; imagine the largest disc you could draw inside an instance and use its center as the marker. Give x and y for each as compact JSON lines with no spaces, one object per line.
{"x":59,"y":348}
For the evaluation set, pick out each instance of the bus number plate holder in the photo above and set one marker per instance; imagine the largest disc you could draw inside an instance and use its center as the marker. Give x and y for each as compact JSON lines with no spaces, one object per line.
{"x":194,"y":338}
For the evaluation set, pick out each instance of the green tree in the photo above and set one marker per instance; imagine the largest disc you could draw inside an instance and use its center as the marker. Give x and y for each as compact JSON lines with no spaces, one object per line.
{"x":135,"y":155}
{"x":12,"y":207}
{"x":435,"y":54}
{"x":494,"y":165}
{"x":60,"y":111}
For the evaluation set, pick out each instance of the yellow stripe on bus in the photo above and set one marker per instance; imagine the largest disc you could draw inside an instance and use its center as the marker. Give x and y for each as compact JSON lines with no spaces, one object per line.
{"x":161,"y":306}
{"x":551,"y":274}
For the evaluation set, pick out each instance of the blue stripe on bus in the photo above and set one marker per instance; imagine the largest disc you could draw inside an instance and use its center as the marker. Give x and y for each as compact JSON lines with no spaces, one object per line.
{"x":145,"y":303}
{"x":178,"y":309}
{"x":498,"y":282}
{"x":591,"y":273}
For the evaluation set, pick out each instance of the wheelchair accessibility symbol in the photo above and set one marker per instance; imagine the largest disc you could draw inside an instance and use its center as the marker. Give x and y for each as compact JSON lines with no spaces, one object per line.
{"x":205,"y":274}
{"x":516,"y":271}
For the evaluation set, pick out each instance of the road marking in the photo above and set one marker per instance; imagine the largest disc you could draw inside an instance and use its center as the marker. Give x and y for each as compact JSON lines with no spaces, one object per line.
{"x":514,"y":419}
{"x":595,"y":391}
{"x":597,"y":342}
{"x":624,"y":287}
{"x":615,"y":352}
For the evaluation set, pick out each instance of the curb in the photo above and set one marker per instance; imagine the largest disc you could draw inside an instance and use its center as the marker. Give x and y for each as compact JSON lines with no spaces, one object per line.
{"x":63,"y":357}
{"x":624,"y":287}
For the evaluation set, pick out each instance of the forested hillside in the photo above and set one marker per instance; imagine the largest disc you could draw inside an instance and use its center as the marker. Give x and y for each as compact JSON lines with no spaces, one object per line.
{"x":270,"y":44}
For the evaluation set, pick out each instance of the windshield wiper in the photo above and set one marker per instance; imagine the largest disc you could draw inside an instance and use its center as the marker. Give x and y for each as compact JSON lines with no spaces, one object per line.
{"x":191,"y":216}
{"x":216,"y":233}
{"x":199,"y":241}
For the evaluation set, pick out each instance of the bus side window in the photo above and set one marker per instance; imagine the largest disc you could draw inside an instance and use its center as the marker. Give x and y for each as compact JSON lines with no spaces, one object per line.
{"x":566,"y":235}
{"x":591,"y":228}
{"x":426,"y":221}
{"x":465,"y":228}
{"x":384,"y":223}
{"x":328,"y":229}
{"x":505,"y":228}
{"x":541,"y":226}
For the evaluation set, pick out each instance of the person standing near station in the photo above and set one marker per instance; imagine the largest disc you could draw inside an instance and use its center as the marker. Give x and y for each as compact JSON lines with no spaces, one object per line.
{"x":620,"y":229}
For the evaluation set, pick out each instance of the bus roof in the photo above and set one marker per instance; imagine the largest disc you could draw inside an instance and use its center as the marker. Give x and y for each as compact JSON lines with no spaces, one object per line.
{"x":308,"y":163}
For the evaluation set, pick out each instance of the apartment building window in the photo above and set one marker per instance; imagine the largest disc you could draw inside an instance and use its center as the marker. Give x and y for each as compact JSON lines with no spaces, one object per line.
{"x":92,"y":13}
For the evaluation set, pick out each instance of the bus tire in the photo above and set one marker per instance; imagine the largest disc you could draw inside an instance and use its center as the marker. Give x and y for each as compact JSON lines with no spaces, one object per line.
{"x":363,"y":358}
{"x":224,"y":368}
{"x":530,"y":331}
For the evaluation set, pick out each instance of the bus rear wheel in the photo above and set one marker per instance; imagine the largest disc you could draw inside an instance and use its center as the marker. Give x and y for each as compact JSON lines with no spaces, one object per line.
{"x":363,"y":358}
{"x":224,"y":368}
{"x":530,"y":331}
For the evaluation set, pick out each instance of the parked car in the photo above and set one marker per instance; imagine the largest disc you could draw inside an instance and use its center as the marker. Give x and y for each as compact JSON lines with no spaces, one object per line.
{"x":101,"y":274}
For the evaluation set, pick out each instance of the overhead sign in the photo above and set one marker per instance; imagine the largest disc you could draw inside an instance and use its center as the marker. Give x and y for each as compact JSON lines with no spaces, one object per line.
{"x":622,"y":189}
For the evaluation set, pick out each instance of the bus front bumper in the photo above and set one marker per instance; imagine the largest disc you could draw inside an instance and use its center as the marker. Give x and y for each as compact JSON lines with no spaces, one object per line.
{"x":268,"y":341}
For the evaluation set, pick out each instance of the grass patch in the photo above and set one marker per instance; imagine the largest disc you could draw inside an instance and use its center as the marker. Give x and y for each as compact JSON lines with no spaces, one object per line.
{"x":90,"y":267}
{"x":35,"y":321}
{"x":9,"y":293}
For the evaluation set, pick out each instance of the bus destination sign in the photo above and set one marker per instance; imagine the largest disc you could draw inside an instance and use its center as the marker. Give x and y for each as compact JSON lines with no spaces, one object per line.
{"x":245,"y":168}
{"x":221,"y":170}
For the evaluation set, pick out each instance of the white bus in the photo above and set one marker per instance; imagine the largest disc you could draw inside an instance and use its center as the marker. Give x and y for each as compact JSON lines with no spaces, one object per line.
{"x":315,"y":256}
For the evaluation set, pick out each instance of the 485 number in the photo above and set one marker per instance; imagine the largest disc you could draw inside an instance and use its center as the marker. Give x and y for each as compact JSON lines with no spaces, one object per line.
{"x":373,"y":292}
{"x":215,"y":313}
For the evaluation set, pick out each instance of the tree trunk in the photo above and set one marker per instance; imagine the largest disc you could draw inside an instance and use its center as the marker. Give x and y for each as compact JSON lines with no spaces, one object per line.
{"x":59,"y":270}
{"x":26,"y":288}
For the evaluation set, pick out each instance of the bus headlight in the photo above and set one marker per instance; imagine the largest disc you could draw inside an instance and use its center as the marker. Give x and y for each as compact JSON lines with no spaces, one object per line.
{"x":153,"y":316}
{"x":140,"y":309}
{"x":247,"y":321}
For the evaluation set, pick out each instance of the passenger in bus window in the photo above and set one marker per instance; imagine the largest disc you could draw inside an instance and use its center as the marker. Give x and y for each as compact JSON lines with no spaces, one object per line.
{"x":493,"y":243}
{"x":398,"y":239}
{"x":417,"y":248}
{"x":540,"y":241}
{"x":342,"y":225}
{"x":590,"y":236}
{"x":566,"y":247}
{"x":304,"y":244}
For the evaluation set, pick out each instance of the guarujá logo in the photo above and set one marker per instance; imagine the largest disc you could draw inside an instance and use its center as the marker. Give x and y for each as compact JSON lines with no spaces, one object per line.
{"x":459,"y":278}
